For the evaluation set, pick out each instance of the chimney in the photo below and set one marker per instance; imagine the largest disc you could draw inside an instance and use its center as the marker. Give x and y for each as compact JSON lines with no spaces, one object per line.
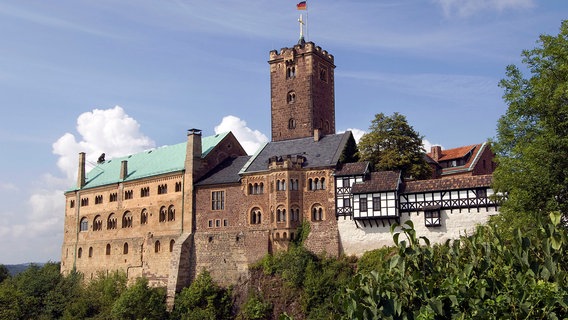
{"x":123,"y":169}
{"x":436,"y":152}
{"x":317,"y":135}
{"x":193,"y":162}
{"x":194,"y":140}
{"x":81,"y":173}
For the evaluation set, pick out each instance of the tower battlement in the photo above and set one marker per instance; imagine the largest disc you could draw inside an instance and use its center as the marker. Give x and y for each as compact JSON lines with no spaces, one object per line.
{"x":308,"y":47}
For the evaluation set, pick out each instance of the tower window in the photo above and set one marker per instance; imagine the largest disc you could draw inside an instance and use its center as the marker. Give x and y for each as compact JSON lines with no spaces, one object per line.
{"x":291,"y":97}
{"x":323,"y":74}
{"x":290,"y":72}
{"x":292,"y":123}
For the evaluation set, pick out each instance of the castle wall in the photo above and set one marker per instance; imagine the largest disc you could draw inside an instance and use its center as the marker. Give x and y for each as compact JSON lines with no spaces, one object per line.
{"x":356,"y":241}
{"x":128,"y":245}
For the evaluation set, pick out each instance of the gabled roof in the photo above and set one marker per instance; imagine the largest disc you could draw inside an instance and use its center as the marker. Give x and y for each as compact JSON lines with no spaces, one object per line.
{"x":456,"y":153}
{"x":322,"y":153}
{"x":226,"y":172}
{"x":148,"y":163}
{"x":379,"y":181}
{"x":352,"y":169}
{"x":455,"y":183}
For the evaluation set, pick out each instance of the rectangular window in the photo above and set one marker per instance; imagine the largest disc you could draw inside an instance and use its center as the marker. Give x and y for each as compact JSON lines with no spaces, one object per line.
{"x":218,"y":200}
{"x":376,"y":203}
{"x":210,"y":223}
{"x":432,"y":218}
{"x":225,"y":223}
{"x":363,"y":204}
{"x":346,"y":202}
{"x":217,"y":223}
{"x":346,"y":182}
{"x":113,"y":197}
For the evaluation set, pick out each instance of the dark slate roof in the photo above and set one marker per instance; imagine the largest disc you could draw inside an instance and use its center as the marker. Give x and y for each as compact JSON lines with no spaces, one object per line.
{"x":379,"y":181}
{"x":455,"y":183}
{"x":352,"y":169}
{"x":322,"y":153}
{"x":226,"y":172}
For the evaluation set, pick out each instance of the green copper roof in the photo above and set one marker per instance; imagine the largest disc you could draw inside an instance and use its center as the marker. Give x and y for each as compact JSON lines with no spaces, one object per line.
{"x":148,"y":163}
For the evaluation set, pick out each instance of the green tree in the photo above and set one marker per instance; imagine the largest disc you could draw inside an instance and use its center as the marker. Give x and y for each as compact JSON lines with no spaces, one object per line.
{"x":532,"y":137}
{"x":350,"y":153}
{"x":141,"y":302}
{"x":392,"y":144}
{"x":203,"y":299}
{"x":4,"y":273}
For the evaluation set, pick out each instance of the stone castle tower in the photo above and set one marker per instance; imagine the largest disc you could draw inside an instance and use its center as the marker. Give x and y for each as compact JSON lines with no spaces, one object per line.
{"x":302,"y":92}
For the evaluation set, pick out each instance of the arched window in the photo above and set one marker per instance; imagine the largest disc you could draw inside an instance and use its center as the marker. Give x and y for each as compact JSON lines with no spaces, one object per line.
{"x":284,"y":235}
{"x":316,"y":184}
{"x":111,"y":221}
{"x":157,"y":246}
{"x":172,"y":242}
{"x":292,"y":123}
{"x":84,"y":225}
{"x":127,"y":220}
{"x":317,"y":213}
{"x":79,"y":252}
{"x":90,"y":252}
{"x":291,"y":97}
{"x":163,"y":213}
{"x":107,"y":251}
{"x":261,"y":188}
{"x":171,"y":213}
{"x":125,"y":248}
{"x":322,"y":183}
{"x":97,"y":223}
{"x":251,"y":189}
{"x":310,"y":184}
{"x":255,"y":216}
{"x":290,"y":72}
{"x":144,"y":216}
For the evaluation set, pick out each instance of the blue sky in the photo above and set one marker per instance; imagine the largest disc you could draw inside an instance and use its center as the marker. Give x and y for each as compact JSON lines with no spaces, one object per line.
{"x":123,"y":76}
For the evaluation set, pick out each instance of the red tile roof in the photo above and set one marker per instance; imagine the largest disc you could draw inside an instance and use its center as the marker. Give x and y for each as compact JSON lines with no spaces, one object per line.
{"x":380,"y":181}
{"x":456,"y":153}
{"x":461,"y":182}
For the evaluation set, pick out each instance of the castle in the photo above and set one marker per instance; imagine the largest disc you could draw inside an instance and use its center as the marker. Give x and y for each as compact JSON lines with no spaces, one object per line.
{"x":170,"y":212}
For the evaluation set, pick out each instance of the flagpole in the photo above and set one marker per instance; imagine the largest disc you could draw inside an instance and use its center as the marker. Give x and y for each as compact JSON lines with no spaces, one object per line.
{"x":307,"y":20}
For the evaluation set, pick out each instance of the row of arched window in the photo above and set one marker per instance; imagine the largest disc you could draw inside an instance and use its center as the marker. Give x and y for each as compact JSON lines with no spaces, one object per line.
{"x":316,"y":184}
{"x":128,"y":194}
{"x":157,"y":249}
{"x":166,"y":214}
{"x":256,"y":214}
{"x":256,"y":188}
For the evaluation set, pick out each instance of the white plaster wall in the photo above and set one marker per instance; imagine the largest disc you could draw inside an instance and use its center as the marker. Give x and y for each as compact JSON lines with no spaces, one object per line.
{"x":356,"y":241}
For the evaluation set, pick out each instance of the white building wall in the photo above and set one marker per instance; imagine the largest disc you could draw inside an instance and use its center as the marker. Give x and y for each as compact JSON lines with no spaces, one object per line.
{"x":356,"y":241}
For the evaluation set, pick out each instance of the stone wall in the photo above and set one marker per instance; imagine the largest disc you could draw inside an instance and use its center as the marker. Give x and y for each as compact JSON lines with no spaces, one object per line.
{"x":356,"y":241}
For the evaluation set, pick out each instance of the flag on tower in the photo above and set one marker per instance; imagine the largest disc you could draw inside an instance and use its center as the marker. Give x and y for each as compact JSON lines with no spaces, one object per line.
{"x":302,"y":6}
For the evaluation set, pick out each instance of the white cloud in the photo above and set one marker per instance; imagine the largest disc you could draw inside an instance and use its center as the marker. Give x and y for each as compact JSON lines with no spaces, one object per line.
{"x":428,"y":145}
{"x":465,"y":8}
{"x":110,"y":131}
{"x":7,"y":186}
{"x":37,"y":231}
{"x":357,"y":133}
{"x":250,"y":139}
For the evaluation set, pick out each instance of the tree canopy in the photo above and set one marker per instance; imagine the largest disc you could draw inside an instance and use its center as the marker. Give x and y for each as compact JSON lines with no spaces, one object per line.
{"x":532,"y":137}
{"x":392,"y":144}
